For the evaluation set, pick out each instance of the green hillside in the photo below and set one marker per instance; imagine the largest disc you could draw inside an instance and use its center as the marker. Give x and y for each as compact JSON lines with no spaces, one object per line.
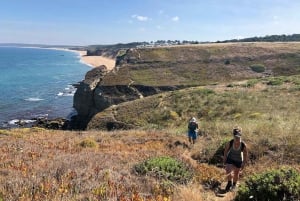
{"x":203,"y":64}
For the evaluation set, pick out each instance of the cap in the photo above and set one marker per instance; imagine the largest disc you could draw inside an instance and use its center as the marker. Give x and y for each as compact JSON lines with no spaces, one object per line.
{"x":193,"y":119}
{"x":237,"y":132}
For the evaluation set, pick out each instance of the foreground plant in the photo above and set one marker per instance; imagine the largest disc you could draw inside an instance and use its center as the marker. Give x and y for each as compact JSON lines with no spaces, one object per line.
{"x":276,"y":185}
{"x":165,"y":168}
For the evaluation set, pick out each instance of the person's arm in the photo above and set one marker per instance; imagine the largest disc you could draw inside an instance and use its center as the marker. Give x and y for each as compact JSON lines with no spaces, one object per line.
{"x":245,"y":156}
{"x":227,"y":146}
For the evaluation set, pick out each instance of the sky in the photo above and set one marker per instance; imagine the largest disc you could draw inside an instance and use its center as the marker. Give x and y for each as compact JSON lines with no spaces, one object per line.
{"x":90,"y":22}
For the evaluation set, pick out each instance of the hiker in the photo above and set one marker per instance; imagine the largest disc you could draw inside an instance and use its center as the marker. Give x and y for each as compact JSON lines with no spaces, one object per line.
{"x":235,"y":158}
{"x":192,"y":130}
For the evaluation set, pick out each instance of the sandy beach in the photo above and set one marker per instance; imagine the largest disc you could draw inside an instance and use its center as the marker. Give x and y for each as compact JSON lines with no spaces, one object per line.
{"x":95,"y":61}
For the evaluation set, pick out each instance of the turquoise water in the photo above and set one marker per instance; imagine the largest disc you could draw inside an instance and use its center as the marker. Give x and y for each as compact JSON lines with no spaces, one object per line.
{"x":37,"y":82}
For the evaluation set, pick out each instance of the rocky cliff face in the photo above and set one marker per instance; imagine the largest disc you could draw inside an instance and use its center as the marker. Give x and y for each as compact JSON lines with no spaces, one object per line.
{"x":93,"y":96}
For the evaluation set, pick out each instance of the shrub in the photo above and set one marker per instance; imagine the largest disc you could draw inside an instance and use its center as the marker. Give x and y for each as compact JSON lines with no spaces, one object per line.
{"x":251,"y":83}
{"x":275,"y":81}
{"x":88,"y":143}
{"x":237,"y":116}
{"x":207,"y":91}
{"x":227,"y":62}
{"x":296,"y":88}
{"x":209,"y":175}
{"x":165,"y":168}
{"x":276,"y":185}
{"x":173,"y":115}
{"x":217,"y":158}
{"x":258,"y":68}
{"x":255,"y":115}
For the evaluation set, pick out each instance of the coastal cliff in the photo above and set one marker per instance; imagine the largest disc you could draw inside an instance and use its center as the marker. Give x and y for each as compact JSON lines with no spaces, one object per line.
{"x":144,"y":72}
{"x":92,"y":96}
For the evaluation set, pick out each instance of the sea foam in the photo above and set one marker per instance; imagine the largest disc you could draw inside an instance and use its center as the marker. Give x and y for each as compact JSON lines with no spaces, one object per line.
{"x":34,"y":99}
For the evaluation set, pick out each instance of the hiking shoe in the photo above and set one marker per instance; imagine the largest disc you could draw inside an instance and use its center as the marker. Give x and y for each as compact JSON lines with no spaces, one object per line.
{"x":228,"y":187}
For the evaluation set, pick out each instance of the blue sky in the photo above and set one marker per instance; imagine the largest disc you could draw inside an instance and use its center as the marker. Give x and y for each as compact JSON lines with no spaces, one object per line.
{"x":86,"y":22}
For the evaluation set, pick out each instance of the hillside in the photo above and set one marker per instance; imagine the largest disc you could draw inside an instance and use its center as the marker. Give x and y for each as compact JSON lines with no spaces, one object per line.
{"x":110,"y":51}
{"x":271,"y":38}
{"x":142,"y":72}
{"x":38,"y":164}
{"x":246,"y":102}
{"x":203,"y":64}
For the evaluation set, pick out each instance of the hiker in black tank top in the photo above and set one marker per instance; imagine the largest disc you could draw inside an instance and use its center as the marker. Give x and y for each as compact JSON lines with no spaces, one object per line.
{"x":235,"y":158}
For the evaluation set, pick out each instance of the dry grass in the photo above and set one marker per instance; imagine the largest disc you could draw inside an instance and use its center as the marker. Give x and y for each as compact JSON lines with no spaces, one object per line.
{"x":39,"y":164}
{"x":204,"y":64}
{"x":53,"y":165}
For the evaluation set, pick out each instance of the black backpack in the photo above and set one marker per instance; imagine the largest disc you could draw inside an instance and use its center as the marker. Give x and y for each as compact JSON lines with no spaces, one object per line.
{"x":192,"y":126}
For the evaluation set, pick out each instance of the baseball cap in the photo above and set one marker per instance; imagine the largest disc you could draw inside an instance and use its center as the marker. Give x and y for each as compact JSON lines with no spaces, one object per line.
{"x":237,"y":132}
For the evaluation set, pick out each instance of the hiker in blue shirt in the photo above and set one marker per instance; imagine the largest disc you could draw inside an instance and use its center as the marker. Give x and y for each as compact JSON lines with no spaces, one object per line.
{"x":192,"y":130}
{"x":235,"y":158}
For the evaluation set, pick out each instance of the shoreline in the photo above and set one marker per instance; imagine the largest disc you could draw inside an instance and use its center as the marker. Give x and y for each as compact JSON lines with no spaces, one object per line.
{"x":57,"y":103}
{"x":92,"y":61}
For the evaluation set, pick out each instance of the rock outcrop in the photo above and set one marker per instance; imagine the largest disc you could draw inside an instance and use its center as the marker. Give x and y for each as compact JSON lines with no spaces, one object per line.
{"x":92,"y":96}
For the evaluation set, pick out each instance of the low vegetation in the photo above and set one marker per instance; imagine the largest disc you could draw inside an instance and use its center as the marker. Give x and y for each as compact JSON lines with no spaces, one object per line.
{"x":268,"y":114}
{"x":259,"y":68}
{"x":157,"y":162}
{"x":165,"y":168}
{"x":276,"y":184}
{"x":203,"y":64}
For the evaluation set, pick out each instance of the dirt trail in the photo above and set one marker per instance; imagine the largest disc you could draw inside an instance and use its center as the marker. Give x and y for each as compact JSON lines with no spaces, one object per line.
{"x":210,"y":194}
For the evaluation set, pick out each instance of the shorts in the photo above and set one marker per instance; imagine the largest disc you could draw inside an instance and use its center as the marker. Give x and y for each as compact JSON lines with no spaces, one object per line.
{"x":237,"y":164}
{"x":192,"y":134}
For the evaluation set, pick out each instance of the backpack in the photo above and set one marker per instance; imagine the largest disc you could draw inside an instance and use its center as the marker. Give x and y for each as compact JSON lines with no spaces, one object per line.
{"x":192,"y":126}
{"x":231,"y":144}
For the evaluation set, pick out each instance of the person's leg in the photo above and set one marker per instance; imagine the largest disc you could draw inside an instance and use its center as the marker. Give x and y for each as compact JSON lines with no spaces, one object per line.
{"x":236,"y":175}
{"x":229,"y":171}
{"x":190,"y":137}
{"x":194,"y":137}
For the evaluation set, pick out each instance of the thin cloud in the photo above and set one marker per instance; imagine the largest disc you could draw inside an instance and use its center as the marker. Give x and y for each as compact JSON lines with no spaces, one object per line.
{"x":159,"y":27}
{"x":175,"y":19}
{"x":140,"y":18}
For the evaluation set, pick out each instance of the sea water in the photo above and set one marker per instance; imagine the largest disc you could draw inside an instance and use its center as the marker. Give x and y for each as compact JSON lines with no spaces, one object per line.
{"x":37,"y":82}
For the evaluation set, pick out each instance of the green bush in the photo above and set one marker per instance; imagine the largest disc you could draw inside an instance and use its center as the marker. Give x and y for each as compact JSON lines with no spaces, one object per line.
{"x":258,"y":68}
{"x":217,"y":158}
{"x":251,"y":83}
{"x":227,"y":62}
{"x":88,"y":143}
{"x":275,"y":81}
{"x":276,"y":185}
{"x":165,"y":168}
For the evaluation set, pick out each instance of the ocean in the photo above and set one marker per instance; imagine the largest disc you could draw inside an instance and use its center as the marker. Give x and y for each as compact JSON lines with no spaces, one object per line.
{"x":37,"y":83}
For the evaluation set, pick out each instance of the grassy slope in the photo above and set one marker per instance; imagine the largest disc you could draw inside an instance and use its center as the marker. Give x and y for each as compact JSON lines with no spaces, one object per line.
{"x":205,"y":64}
{"x":261,"y":101}
{"x":95,"y":165}
{"x":267,"y":109}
